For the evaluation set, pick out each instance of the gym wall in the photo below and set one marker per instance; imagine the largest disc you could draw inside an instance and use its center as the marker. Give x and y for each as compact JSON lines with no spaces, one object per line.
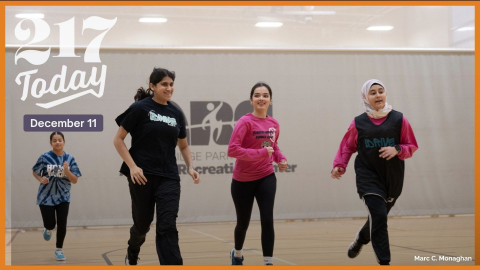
{"x":316,"y":95}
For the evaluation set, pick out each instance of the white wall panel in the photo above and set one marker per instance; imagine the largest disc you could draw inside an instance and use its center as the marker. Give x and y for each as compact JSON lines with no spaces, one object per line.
{"x":316,"y":94}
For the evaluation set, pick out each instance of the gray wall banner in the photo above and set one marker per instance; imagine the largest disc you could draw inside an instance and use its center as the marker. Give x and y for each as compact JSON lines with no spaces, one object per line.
{"x":316,"y":95}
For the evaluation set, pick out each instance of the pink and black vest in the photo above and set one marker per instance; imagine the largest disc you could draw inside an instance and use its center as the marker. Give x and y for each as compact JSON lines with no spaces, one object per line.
{"x":376,"y":175}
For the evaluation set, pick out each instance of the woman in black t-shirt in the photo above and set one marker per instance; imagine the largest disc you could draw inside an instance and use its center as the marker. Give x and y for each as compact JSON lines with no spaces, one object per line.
{"x":156,"y":127}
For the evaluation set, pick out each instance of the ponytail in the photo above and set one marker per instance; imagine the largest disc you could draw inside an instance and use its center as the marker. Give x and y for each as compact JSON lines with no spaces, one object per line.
{"x":142,"y":93}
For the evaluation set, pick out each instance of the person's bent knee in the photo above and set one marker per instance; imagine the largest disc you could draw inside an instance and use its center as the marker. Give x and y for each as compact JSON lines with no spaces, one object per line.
{"x":140,"y":230}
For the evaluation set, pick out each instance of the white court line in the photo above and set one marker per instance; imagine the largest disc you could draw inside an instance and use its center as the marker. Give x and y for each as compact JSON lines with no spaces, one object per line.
{"x":209,"y":235}
{"x":245,"y":248}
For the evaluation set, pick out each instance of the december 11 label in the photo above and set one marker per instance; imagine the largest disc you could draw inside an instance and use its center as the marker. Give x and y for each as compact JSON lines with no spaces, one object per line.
{"x":63,"y":122}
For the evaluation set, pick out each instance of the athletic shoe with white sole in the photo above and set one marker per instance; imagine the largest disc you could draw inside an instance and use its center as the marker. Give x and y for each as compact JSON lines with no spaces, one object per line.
{"x":235,"y":260}
{"x":355,"y":247}
{"x":59,"y":255}
{"x":131,"y":259}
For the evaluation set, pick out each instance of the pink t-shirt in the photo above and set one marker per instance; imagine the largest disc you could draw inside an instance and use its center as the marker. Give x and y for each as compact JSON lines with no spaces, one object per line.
{"x":249,"y":137}
{"x":348,"y":146}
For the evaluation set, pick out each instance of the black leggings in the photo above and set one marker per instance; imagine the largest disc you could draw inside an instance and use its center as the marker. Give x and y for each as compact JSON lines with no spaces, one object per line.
{"x":243,"y":193}
{"x":49,"y":221}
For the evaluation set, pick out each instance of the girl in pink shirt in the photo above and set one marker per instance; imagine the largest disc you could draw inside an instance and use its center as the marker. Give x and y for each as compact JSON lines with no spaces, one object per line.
{"x":383,"y":139}
{"x":254,"y":145}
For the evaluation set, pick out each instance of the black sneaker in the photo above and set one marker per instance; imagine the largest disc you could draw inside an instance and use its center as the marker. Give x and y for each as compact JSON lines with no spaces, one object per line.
{"x":131,"y":260}
{"x":354,"y":248}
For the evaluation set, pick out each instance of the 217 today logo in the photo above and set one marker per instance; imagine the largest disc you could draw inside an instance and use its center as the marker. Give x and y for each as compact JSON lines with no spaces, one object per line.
{"x":79,"y":83}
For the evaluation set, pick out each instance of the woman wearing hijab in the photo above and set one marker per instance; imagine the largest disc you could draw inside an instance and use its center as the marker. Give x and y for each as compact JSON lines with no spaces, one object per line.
{"x":383,"y":139}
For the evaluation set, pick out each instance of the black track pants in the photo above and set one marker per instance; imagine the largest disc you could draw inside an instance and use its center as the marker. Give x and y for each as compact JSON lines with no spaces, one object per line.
{"x":163,"y":193}
{"x":376,"y":228}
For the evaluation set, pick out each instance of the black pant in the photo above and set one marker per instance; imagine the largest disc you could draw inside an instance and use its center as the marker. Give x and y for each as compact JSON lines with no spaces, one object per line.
{"x":49,"y":220}
{"x":377,"y":220}
{"x":165,"y":194}
{"x":243,"y":193}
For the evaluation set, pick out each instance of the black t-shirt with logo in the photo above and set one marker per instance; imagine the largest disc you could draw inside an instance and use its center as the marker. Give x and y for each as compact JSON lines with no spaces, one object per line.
{"x":155,"y":129}
{"x":376,"y":175}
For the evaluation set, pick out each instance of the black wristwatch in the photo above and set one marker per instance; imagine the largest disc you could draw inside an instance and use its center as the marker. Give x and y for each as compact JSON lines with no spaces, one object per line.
{"x":398,"y":148}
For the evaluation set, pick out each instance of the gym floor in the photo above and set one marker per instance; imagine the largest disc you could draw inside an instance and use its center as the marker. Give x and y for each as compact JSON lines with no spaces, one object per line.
{"x":419,"y":240}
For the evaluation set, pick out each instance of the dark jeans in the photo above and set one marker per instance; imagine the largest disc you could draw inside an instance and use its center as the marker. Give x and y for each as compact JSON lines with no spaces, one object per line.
{"x":49,"y":220}
{"x":165,"y":194}
{"x":377,"y":220}
{"x":243,"y":194}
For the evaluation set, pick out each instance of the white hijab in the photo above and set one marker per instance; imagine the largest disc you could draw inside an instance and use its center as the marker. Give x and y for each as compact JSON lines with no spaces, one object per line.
{"x":366,"y":105}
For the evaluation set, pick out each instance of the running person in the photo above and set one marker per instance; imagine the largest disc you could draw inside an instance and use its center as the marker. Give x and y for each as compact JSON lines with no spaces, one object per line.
{"x":56,"y":171}
{"x":156,"y":127}
{"x":254,"y":145}
{"x":384,"y":139}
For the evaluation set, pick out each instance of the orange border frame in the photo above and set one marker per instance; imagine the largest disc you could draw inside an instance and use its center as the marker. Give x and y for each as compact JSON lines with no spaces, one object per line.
{"x":3,"y":4}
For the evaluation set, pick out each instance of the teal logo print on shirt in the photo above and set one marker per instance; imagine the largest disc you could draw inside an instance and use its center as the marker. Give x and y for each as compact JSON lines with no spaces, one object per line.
{"x":376,"y":142}
{"x":160,"y":118}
